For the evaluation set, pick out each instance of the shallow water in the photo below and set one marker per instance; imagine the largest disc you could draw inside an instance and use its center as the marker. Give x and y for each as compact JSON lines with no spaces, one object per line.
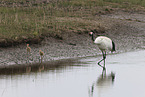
{"x":83,"y":80}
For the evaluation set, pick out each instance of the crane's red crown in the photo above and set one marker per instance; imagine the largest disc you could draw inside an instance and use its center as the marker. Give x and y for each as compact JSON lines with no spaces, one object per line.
{"x":90,"y":33}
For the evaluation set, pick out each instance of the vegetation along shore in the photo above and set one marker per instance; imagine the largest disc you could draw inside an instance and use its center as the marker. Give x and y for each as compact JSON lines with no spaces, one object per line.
{"x":30,"y":21}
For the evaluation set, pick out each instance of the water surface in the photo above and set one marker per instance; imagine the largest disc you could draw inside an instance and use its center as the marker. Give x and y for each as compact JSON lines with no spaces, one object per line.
{"x":83,"y":80}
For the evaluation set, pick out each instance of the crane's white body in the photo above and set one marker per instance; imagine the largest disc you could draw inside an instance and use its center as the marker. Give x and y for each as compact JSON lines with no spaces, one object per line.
{"x":103,"y":43}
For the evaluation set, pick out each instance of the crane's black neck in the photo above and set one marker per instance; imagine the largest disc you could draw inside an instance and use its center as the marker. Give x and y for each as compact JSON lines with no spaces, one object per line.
{"x":93,"y":37}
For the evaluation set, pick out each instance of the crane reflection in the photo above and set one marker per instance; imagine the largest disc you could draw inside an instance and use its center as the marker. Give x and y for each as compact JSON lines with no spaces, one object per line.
{"x":102,"y":84}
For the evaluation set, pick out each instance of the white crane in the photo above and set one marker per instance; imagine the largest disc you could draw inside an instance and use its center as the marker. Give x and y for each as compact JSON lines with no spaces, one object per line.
{"x":104,"y":44}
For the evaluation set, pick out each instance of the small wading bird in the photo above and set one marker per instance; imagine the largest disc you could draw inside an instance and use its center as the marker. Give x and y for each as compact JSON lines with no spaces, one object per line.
{"x":41,"y":53}
{"x":28,"y":51}
{"x":104,"y":44}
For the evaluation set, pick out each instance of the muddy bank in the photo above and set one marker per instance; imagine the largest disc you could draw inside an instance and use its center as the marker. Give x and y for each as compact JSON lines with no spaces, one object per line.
{"x":127,"y":33}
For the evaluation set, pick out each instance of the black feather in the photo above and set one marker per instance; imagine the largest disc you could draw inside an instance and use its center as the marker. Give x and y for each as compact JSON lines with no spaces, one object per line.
{"x":113,"y":46}
{"x":92,"y":36}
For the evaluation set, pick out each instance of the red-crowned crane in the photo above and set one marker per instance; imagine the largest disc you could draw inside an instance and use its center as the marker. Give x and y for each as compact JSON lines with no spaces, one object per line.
{"x":104,"y":44}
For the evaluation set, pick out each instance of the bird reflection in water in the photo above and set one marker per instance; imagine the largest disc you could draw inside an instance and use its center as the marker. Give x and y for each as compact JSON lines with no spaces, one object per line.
{"x":41,"y":68}
{"x":103,"y":83}
{"x":29,"y":69}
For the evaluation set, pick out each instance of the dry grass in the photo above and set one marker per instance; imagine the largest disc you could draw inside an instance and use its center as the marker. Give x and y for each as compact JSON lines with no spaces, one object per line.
{"x":25,"y":20}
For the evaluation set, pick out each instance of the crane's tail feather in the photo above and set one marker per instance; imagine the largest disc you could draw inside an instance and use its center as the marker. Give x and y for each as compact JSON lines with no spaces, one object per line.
{"x":113,"y":46}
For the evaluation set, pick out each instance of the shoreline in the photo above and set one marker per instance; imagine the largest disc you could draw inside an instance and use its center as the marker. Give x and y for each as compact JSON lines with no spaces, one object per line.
{"x":128,"y":35}
{"x":46,"y":66}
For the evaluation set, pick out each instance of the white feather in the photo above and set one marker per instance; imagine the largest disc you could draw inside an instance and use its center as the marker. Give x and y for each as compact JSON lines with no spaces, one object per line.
{"x":104,"y":43}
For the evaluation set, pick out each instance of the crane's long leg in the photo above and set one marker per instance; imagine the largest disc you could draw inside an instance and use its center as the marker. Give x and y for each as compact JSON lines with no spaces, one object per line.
{"x":27,"y":57}
{"x":103,"y":72}
{"x":104,"y":57}
{"x":100,"y":62}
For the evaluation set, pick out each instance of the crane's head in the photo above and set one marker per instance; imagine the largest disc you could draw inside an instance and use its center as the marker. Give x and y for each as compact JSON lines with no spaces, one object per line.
{"x":27,"y":45}
{"x":90,"y":33}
